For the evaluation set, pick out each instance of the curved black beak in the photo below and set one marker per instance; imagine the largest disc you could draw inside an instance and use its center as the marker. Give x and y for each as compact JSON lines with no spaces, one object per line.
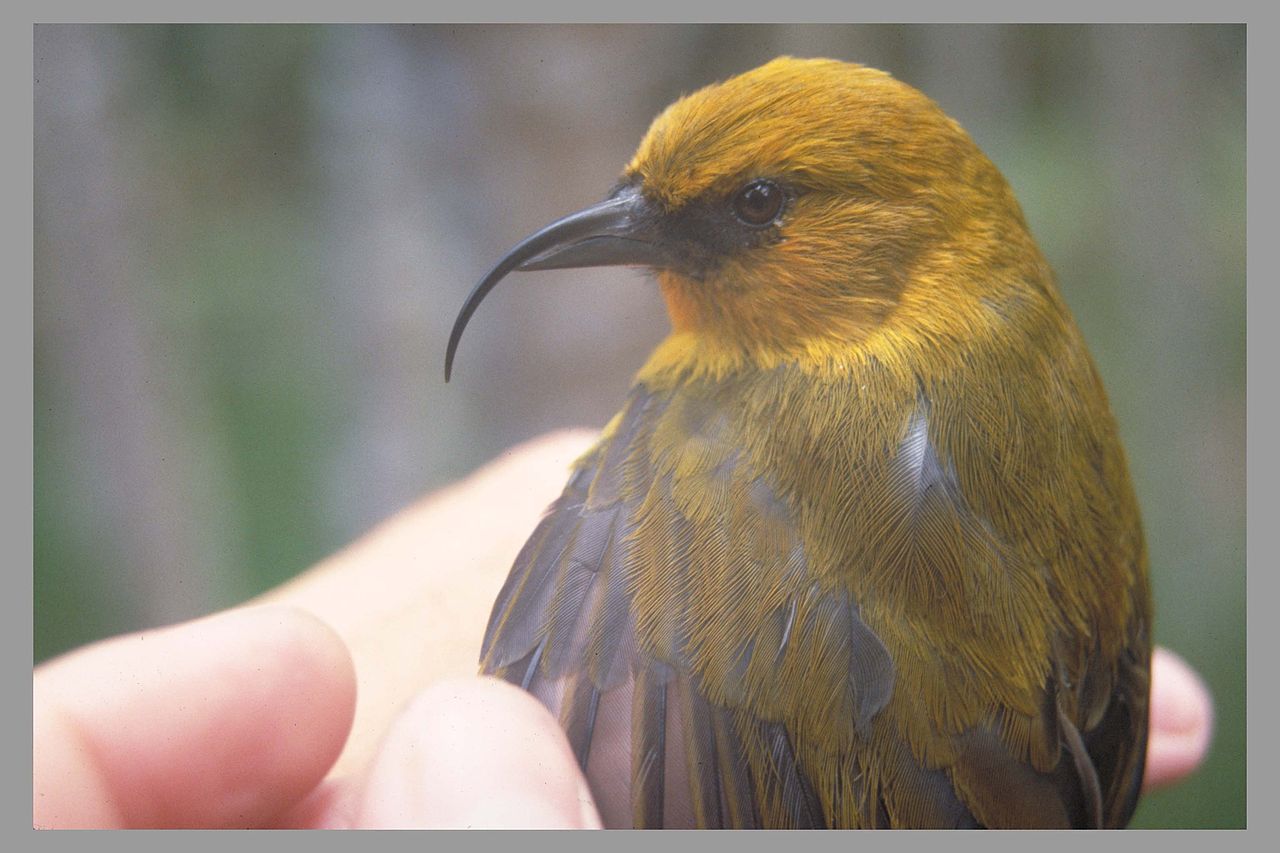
{"x":620,"y":231}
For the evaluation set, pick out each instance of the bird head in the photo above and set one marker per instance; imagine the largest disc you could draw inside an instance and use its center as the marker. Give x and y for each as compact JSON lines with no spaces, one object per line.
{"x":795,"y":210}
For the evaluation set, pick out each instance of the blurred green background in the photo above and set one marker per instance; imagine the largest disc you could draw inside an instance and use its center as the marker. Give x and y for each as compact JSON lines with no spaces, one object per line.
{"x":250,"y":243}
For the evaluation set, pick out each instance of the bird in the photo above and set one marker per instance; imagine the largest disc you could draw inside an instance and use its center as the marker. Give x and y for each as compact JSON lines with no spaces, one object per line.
{"x":861,"y":547}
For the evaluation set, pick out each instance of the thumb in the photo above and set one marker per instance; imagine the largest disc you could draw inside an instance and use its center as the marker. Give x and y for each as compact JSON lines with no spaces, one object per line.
{"x":475,"y":753}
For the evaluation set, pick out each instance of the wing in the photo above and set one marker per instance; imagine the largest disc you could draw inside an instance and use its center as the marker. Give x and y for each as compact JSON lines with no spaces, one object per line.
{"x":652,"y":610}
{"x":711,"y":670}
{"x":661,"y":607}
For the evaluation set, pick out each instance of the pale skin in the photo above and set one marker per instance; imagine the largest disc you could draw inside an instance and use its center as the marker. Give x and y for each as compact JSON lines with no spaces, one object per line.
{"x":348,"y":696}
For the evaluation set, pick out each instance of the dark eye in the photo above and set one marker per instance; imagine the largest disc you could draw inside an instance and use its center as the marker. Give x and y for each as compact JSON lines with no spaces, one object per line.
{"x":758,"y":203}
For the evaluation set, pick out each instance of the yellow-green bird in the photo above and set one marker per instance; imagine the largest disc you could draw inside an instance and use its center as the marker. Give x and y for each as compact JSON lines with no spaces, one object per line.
{"x":861,"y":549}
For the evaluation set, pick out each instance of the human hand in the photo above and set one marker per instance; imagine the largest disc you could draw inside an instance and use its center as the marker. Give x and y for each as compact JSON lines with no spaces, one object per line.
{"x":1181,"y":723}
{"x":369,"y":658}
{"x":353,"y":703}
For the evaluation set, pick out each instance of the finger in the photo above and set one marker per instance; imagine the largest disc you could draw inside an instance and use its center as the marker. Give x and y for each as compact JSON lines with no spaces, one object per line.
{"x":476,"y":753}
{"x":427,"y":579}
{"x":1181,"y":723}
{"x":220,"y":722}
{"x":330,"y":805}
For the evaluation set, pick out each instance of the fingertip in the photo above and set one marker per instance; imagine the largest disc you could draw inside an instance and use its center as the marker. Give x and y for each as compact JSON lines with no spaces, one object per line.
{"x":299,"y":677}
{"x":223,"y":721}
{"x":1181,"y":724}
{"x":469,"y":753}
{"x":308,"y":647}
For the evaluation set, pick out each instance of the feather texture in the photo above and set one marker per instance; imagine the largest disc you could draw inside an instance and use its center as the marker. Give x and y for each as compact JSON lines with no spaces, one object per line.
{"x":678,"y":579}
{"x":860,"y":549}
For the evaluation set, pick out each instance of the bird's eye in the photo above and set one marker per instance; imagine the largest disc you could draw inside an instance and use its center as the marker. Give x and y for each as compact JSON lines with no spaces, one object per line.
{"x":758,"y":203}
